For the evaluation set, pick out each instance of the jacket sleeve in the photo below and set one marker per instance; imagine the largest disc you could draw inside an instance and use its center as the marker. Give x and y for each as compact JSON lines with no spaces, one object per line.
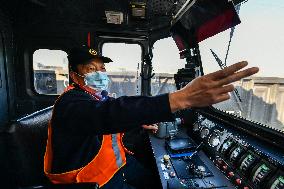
{"x":82,"y":114}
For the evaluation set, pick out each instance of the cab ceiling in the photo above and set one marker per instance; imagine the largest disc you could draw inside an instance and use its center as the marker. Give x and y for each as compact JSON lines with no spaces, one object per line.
{"x":43,"y":16}
{"x":40,"y":13}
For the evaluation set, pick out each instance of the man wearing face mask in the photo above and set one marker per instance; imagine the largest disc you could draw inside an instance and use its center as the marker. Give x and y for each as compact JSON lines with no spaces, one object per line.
{"x":85,"y":132}
{"x":90,"y":85}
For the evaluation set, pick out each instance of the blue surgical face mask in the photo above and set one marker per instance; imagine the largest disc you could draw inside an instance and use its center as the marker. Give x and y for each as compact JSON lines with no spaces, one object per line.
{"x":97,"y":80}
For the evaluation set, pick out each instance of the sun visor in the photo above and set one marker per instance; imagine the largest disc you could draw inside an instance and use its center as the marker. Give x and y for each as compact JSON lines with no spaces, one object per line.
{"x":204,"y":19}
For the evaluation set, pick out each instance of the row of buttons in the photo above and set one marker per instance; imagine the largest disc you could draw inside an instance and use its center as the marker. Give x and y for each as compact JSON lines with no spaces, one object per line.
{"x":230,"y":174}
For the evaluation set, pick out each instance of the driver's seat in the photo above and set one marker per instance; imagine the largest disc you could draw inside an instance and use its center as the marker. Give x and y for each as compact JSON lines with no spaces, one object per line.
{"x":28,"y":138}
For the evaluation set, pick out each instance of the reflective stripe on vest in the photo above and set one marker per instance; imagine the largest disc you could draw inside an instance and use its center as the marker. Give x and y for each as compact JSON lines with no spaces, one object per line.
{"x":115,"y":148}
{"x":110,"y":158}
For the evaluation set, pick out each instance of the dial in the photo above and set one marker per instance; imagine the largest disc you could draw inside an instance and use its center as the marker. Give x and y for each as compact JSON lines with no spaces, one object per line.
{"x":261,"y":172}
{"x":236,"y":153}
{"x":278,"y":183}
{"x":196,"y":126}
{"x":204,"y":132}
{"x":247,"y":162}
{"x":214,"y":139}
{"x":226,"y":146}
{"x":210,"y":124}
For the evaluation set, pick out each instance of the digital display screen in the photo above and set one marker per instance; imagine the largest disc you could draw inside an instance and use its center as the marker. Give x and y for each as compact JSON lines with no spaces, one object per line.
{"x":278,"y":183}
{"x":261,"y":172}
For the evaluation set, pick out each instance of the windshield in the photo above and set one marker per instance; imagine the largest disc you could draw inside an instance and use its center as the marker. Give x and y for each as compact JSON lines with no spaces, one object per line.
{"x":166,"y":62}
{"x":259,"y":39}
{"x":124,"y":71}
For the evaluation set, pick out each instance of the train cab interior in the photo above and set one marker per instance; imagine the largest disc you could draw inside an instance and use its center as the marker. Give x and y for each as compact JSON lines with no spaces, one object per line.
{"x":157,"y":47}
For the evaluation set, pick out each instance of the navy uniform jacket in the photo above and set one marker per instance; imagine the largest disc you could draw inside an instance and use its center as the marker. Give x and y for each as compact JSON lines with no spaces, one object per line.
{"x":79,"y":121}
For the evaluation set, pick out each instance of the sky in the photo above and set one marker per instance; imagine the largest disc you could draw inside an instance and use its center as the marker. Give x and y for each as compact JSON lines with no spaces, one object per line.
{"x":50,"y":58}
{"x":259,"y":39}
{"x":125,"y":57}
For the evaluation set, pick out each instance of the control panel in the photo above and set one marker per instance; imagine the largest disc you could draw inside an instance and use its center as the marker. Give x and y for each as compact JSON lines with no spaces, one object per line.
{"x":182,"y":163}
{"x":242,"y":160}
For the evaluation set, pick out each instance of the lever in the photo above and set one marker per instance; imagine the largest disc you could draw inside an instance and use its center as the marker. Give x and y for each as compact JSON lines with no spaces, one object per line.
{"x":198,"y":148}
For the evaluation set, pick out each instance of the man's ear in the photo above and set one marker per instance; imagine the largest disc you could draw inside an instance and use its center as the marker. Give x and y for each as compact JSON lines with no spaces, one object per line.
{"x":80,"y":69}
{"x":76,"y":78}
{"x":73,"y":77}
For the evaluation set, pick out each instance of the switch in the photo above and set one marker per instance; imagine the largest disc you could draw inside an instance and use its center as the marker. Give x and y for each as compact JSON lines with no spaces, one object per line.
{"x":166,"y":175}
{"x":231,"y":174}
{"x":201,"y":168}
{"x":219,"y":162}
{"x":196,"y":184}
{"x":163,"y":167}
{"x":168,"y":166}
{"x":191,"y":166}
{"x":224,"y":167}
{"x":238,"y":181}
{"x":172,"y":174}
{"x":166,"y":158}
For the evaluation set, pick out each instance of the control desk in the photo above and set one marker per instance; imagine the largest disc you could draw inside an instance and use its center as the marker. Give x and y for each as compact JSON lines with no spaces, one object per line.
{"x":208,"y":154}
{"x":185,"y":172}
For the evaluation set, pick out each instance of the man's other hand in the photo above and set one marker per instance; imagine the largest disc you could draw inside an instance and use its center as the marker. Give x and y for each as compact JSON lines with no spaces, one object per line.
{"x":153,"y":127}
{"x":210,"y":89}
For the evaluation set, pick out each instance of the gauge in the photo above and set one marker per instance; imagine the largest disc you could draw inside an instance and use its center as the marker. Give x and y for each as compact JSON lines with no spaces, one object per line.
{"x":226,"y":146}
{"x":236,"y":153}
{"x":247,"y":162}
{"x":210,"y":124}
{"x":214,"y":139}
{"x":204,"y":132}
{"x":261,"y":172}
{"x":196,"y":126}
{"x":278,"y":183}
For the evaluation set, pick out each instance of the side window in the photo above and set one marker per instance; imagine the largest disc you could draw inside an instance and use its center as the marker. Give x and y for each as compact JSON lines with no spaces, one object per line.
{"x":50,"y":71}
{"x":166,"y":62}
{"x":124,"y":71}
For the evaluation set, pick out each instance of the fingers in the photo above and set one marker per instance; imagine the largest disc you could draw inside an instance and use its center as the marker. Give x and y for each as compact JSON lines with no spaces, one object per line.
{"x":237,"y":76}
{"x":227,"y":71}
{"x":150,"y":127}
{"x":225,"y":89}
{"x":153,"y":127}
{"x":221,"y":98}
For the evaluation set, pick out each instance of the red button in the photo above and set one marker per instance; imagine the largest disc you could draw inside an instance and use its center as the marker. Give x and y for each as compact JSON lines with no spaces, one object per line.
{"x":225,"y":167}
{"x":246,"y":187}
{"x":238,"y":181}
{"x":231,"y":174}
{"x":219,"y":162}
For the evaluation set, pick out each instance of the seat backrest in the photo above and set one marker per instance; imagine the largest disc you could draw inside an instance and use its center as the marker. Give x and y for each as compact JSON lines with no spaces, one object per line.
{"x":29,"y":136}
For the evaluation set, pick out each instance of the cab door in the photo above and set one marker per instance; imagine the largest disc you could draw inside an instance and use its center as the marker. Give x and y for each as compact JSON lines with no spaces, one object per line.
{"x":3,"y":87}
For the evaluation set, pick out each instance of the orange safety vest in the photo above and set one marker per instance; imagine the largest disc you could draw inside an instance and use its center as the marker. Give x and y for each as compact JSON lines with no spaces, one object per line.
{"x":110,"y":158}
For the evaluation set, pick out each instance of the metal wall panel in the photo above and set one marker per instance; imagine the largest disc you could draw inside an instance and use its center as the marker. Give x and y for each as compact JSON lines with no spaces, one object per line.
{"x":3,"y":87}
